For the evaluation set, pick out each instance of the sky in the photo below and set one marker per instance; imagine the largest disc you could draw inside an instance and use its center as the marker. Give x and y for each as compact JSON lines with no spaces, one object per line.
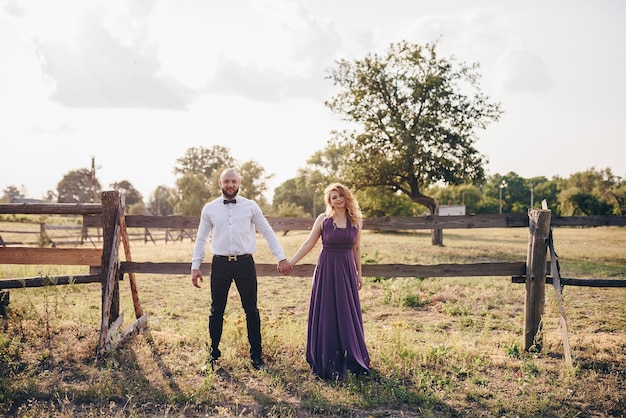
{"x":135,"y":84}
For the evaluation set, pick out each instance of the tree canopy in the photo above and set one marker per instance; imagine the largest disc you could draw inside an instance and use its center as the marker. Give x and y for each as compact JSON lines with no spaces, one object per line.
{"x":200,"y":169}
{"x":160,"y":201}
{"x":128,"y":191}
{"x":79,"y":186}
{"x":206,"y":161}
{"x":593,"y":192}
{"x":12,"y":193}
{"x":415,"y":117}
{"x":305,"y":191}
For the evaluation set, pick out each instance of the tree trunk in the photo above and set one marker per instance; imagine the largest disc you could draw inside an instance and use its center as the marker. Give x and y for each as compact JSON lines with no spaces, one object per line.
{"x":433,"y":208}
{"x":436,"y":236}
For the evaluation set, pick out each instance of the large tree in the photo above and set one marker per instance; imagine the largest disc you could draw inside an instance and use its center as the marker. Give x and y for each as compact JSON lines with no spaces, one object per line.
{"x":207,"y":161}
{"x":306,"y":190}
{"x":12,"y":193}
{"x":254,"y":182}
{"x":415,"y":116}
{"x":131,"y":195}
{"x":160,"y":202}
{"x":593,"y":192}
{"x":193,"y":191}
{"x":79,"y":186}
{"x":199,"y":171}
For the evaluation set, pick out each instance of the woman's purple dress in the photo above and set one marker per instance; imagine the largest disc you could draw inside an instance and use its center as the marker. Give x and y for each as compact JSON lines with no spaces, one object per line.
{"x":335,"y":339}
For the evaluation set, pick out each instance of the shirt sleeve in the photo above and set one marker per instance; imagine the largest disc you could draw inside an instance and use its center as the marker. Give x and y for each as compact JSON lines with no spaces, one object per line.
{"x":202,"y":238}
{"x":265,"y":229}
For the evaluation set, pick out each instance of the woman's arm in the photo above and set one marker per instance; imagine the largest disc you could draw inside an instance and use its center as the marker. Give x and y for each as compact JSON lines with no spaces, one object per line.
{"x":307,"y":246}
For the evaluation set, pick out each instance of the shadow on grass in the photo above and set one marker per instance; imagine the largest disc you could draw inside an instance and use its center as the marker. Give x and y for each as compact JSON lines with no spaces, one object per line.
{"x":157,"y":357}
{"x":356,"y":396}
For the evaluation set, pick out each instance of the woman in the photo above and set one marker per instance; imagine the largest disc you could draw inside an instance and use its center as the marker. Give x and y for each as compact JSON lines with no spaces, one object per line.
{"x":335,"y":338}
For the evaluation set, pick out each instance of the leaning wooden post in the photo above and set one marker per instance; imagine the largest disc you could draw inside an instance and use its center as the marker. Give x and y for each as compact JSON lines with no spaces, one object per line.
{"x":536,"y":270}
{"x":128,"y":255}
{"x":111,"y":206}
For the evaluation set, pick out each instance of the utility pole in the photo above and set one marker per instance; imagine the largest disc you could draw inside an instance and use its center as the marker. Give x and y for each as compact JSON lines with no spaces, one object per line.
{"x":92,"y":179}
{"x":502,"y":186}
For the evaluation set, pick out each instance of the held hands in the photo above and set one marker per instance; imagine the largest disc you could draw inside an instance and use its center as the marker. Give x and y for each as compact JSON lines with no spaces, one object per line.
{"x":285,"y":267}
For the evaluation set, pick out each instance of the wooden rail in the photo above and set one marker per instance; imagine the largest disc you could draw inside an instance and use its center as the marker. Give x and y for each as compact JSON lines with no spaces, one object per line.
{"x":369,"y":270}
{"x":515,"y":220}
{"x":49,"y":281}
{"x":517,"y":269}
{"x":52,"y":256}
{"x":578,"y":282}
{"x":51,"y":208}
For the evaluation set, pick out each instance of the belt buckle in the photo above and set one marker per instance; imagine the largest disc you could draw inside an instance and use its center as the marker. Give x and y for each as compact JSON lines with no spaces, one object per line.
{"x":232,"y":258}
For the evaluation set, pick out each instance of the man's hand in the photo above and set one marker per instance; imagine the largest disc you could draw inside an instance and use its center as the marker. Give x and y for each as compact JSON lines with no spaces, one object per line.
{"x":285,"y":267}
{"x":196,"y":278}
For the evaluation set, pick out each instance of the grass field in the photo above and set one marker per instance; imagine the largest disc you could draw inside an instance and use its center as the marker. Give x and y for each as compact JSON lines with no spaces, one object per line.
{"x":439,"y":346}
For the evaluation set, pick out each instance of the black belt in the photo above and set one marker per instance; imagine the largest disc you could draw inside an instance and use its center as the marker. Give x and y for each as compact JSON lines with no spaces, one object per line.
{"x":233,"y":257}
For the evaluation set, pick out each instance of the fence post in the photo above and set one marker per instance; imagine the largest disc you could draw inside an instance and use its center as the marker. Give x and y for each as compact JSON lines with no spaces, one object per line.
{"x":42,"y":234}
{"x":111,"y":205}
{"x":539,"y":232}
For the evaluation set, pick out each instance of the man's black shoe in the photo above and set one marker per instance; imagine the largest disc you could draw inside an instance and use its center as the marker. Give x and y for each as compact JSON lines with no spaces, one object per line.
{"x":212,"y":364}
{"x":259,"y":364}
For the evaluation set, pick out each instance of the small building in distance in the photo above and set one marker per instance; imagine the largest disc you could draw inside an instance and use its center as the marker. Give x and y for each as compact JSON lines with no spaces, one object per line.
{"x":451,"y":210}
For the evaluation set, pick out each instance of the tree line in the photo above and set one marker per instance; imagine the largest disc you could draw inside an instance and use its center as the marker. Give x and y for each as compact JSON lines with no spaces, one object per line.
{"x":412,"y":120}
{"x":586,"y":193}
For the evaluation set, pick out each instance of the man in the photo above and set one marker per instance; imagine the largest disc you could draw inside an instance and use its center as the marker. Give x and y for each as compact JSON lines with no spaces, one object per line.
{"x":231,"y":221}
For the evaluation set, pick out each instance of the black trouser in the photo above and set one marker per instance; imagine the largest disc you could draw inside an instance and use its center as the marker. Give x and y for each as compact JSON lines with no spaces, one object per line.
{"x":243,"y":272}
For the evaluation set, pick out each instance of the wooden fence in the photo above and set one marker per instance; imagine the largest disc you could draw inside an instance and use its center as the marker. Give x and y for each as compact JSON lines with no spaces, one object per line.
{"x":50,"y":235}
{"x":106,"y":267}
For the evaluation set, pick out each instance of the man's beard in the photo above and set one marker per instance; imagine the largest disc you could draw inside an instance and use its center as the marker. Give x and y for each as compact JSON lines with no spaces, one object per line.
{"x":230,"y":196}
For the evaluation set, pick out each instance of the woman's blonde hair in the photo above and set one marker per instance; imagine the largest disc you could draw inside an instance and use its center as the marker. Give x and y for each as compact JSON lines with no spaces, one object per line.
{"x":352,"y":206}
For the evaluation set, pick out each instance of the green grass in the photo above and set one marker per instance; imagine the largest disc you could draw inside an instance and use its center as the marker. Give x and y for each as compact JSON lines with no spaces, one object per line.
{"x":439,"y":346}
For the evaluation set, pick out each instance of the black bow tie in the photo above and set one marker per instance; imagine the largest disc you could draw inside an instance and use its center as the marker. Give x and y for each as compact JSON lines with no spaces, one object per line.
{"x":226,"y":201}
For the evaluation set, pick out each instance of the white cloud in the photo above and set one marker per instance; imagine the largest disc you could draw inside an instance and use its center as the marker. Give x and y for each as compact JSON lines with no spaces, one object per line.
{"x":98,"y":70}
{"x":266,"y":85}
{"x":523,"y":72}
{"x":13,"y":8}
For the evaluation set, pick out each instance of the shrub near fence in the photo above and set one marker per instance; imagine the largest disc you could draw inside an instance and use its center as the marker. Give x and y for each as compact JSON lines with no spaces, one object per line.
{"x":106,"y":267}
